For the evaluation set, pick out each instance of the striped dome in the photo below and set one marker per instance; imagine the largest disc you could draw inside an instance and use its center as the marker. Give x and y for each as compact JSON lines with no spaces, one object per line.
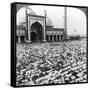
{"x":48,"y":21}
{"x":30,"y":11}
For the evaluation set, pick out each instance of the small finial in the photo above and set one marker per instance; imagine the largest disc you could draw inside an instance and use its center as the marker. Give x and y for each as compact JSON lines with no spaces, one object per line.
{"x":45,"y":13}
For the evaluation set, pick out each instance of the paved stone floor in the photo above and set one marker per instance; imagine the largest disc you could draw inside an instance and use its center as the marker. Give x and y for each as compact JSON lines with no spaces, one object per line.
{"x":51,"y":63}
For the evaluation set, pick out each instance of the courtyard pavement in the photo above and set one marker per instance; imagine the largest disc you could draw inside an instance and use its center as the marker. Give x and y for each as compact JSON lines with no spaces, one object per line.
{"x":51,"y":63}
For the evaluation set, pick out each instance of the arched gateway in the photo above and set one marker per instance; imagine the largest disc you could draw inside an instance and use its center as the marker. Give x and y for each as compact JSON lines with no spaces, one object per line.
{"x":36,"y":32}
{"x":40,"y":28}
{"x":35,"y":28}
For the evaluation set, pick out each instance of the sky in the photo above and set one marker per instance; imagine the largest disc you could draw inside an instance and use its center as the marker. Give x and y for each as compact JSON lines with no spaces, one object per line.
{"x":76,"y":19}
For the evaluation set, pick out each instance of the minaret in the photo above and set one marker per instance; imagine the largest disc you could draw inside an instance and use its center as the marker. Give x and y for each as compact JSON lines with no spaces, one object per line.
{"x":26,"y":36}
{"x":26,"y":16}
{"x":44,"y":36}
{"x":45,"y":14}
{"x":65,"y":23}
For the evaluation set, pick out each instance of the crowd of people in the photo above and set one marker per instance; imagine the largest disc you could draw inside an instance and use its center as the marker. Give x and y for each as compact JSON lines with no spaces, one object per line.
{"x":51,"y":63}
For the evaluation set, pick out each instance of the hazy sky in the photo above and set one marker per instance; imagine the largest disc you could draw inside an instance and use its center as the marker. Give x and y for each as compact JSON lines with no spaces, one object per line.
{"x":76,"y":20}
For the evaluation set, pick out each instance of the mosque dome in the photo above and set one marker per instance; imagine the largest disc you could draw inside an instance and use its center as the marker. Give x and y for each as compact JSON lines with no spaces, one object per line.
{"x":30,"y":11}
{"x":21,"y":17}
{"x":48,"y":21}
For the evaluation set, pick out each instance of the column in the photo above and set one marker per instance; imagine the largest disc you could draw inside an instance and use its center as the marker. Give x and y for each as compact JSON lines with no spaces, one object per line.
{"x":44,"y":37}
{"x":56,"y":38}
{"x":62,"y":37}
{"x":19,"y":40}
{"x":48,"y":38}
{"x":52,"y":38}
{"x":25,"y":38}
{"x":65,"y":23}
{"x":59,"y":38}
{"x":29,"y":33}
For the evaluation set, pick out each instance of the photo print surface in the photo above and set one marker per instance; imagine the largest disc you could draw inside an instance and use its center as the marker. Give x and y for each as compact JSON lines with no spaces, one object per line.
{"x":51,"y":45}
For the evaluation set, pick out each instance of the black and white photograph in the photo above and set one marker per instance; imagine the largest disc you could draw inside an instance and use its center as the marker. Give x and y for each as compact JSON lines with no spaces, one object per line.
{"x":51,"y":45}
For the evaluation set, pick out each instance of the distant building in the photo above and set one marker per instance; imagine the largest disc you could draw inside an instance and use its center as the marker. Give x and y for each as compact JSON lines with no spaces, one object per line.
{"x":38,"y":28}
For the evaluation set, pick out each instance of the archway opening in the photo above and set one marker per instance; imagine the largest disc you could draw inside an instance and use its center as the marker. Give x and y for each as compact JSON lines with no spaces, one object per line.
{"x":57,"y":37}
{"x":47,"y":37}
{"x":62,"y":37}
{"x":33,"y":36}
{"x":50,"y":37}
{"x":36,"y":32}
{"x":54,"y":37}
{"x":22,"y":39}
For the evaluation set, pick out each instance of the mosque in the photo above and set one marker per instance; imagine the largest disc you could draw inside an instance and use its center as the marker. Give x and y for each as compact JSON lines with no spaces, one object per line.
{"x":37,"y":28}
